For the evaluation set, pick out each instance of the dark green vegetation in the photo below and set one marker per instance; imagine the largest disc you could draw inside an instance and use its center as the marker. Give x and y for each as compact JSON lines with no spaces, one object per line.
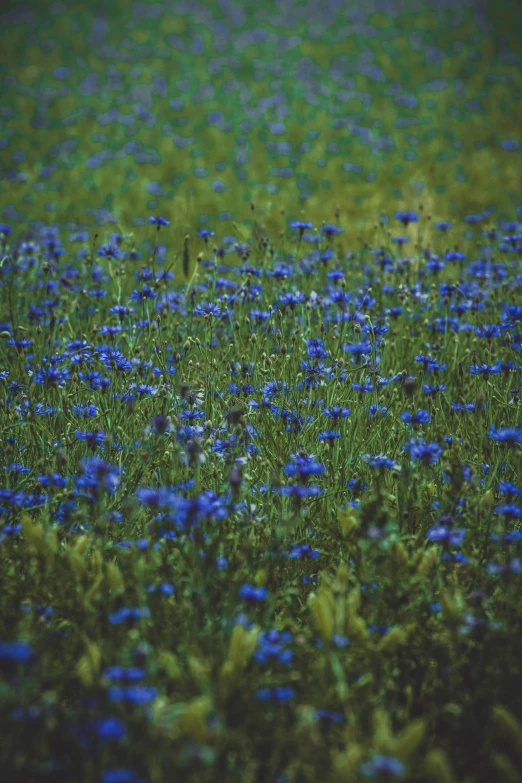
{"x":260,"y":513}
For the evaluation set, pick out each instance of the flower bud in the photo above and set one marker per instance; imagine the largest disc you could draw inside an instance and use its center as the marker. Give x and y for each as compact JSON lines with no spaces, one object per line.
{"x":322,"y":606}
{"x":508,"y":772}
{"x":242,"y":646}
{"x":428,"y":560}
{"x":400,"y":555}
{"x":452,"y":604}
{"x":170,"y":664}
{"x":89,"y":664}
{"x":510,"y":727}
{"x":355,"y":625}
{"x":348,"y":520}
{"x":393,"y":639}
{"x":406,"y":743}
{"x":200,"y":670}
{"x":114,"y":579}
{"x":193,"y":722}
{"x":438,"y":768}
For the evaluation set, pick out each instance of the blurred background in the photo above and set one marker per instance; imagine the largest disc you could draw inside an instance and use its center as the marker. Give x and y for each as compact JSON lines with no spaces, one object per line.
{"x":115,"y":111}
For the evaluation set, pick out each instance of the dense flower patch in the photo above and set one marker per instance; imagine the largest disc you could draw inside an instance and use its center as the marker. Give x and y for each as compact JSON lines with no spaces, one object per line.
{"x":260,"y":496}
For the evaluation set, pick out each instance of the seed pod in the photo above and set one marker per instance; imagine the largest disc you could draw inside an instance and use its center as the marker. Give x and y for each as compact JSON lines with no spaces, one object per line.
{"x":89,"y":664}
{"x":193,"y":722}
{"x":407,"y":742}
{"x":438,"y":767}
{"x":114,"y":579}
{"x":510,"y":726}
{"x":242,"y":646}
{"x":506,"y":769}
{"x":348,"y":520}
{"x":323,"y":611}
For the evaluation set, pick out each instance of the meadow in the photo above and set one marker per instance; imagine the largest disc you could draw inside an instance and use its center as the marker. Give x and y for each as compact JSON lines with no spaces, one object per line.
{"x":261,"y":437}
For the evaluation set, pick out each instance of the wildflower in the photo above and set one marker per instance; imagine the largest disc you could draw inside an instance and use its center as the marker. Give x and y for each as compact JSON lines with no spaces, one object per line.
{"x":363,"y":388}
{"x":336,"y":412}
{"x":428,"y":453}
{"x":509,"y":510}
{"x":303,"y":467}
{"x":159,"y":221}
{"x":207,"y":308}
{"x":377,"y":410}
{"x":273,"y":646}
{"x":301,"y":226}
{"x":509,"y":435}
{"x":380,"y":766}
{"x":13,"y":654}
{"x":485,"y":369}
{"x":332,"y":715}
{"x":120,"y":775}
{"x":303,"y":550}
{"x":379,"y":461}
{"x":275,"y":694}
{"x":433,"y":390}
{"x":110,"y":729}
{"x":446,"y":535}
{"x":421,"y":417}
{"x":251,"y":593}
{"x":125,"y":614}
{"x":406,"y":217}
{"x":330,"y":230}
{"x":133,"y":694}
{"x":508,"y":488}
{"x":514,"y":567}
{"x":97,"y":475}
{"x":109,"y":250}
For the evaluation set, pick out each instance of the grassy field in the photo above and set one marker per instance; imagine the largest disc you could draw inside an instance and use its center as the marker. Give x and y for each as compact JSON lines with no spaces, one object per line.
{"x":260,"y":332}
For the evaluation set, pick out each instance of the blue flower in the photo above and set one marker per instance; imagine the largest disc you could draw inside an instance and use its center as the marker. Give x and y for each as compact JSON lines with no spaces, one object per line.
{"x":428,"y":453}
{"x":111,"y":729}
{"x":159,"y":221}
{"x":304,"y":466}
{"x":379,"y":461}
{"x":251,"y":593}
{"x":303,"y":550}
{"x":275,"y":694}
{"x":421,"y":417}
{"x":407,"y":216}
{"x":273,"y":645}
{"x":509,"y":435}
{"x":207,"y":308}
{"x":133,"y":694}
{"x":380,"y":765}
{"x":14,"y":654}
{"x":120,"y":775}
{"x":336,"y":412}
{"x":125,"y":614}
